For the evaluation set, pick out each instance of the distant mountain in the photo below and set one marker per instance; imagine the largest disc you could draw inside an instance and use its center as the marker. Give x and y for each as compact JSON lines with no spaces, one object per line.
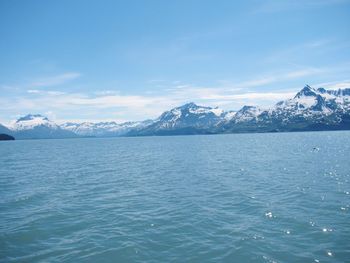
{"x":104,"y":129}
{"x":309,"y":110}
{"x":187,"y":119}
{"x":6,"y":137}
{"x":5,"y":130}
{"x":38,"y":127}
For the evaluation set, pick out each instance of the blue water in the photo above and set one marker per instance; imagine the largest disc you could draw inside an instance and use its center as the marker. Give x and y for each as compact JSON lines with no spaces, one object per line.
{"x":281,"y":197}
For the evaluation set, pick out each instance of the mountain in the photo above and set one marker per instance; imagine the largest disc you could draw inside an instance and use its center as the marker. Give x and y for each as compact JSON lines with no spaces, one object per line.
{"x":187,"y":119}
{"x":246,"y":113}
{"x":103,"y":129}
{"x":38,"y":127}
{"x":5,"y":130}
{"x":6,"y":137}
{"x":309,"y":110}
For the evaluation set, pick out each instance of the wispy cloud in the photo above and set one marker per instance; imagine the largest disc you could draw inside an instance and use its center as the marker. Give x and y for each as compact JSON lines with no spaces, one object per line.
{"x":35,"y":91}
{"x":138,"y":107}
{"x":254,"y":96}
{"x":345,"y":84}
{"x":278,"y":77}
{"x":55,"y":80}
{"x":122,"y":106}
{"x":275,"y":77}
{"x":49,"y":92}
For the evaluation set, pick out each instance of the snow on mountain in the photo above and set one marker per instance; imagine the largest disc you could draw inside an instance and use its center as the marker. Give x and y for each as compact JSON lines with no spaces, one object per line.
{"x":90,"y":128}
{"x":103,"y":129}
{"x":195,"y":109}
{"x":228,"y":115}
{"x":186,"y":119}
{"x":313,"y":103}
{"x":247,"y":113}
{"x":309,"y":109}
{"x":189,"y":114}
{"x":36,"y":126}
{"x":31,"y":121}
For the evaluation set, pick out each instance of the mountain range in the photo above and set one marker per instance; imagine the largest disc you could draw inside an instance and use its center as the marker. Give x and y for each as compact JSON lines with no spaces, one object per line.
{"x":309,"y":110}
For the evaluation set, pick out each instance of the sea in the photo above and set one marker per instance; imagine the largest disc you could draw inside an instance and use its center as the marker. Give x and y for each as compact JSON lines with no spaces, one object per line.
{"x":273,"y":197}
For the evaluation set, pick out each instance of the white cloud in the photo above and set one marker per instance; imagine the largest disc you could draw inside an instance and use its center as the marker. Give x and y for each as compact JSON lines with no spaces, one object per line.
{"x":136,"y":107}
{"x":108,"y":104}
{"x":276,"y":77}
{"x":50,"y":92}
{"x":33,"y":91}
{"x":252,"y":96}
{"x":345,"y":84}
{"x":55,"y":92}
{"x":301,"y":73}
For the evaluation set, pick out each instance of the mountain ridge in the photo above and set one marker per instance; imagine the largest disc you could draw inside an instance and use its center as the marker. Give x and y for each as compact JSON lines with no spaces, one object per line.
{"x":310,"y":109}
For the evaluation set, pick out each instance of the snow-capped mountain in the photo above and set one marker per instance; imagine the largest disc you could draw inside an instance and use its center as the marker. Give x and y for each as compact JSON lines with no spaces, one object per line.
{"x":103,"y":129}
{"x":317,"y":106}
{"x":309,"y":109}
{"x":31,"y":121}
{"x":187,"y":119}
{"x":37,"y":127}
{"x":311,"y":102}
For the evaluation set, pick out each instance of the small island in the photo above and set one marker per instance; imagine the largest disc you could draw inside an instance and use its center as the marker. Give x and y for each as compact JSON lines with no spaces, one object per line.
{"x":6,"y":137}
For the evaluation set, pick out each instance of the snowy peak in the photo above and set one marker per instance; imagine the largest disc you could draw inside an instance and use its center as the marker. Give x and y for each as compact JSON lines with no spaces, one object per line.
{"x":31,"y":121}
{"x":312,"y":106}
{"x":307,"y":91}
{"x":192,"y":108}
{"x":36,"y":126}
{"x":187,"y":116}
{"x":190,"y":105}
{"x":195,"y":109}
{"x":32,"y":117}
{"x":305,"y":100}
{"x":188,"y":110}
{"x":246,"y":109}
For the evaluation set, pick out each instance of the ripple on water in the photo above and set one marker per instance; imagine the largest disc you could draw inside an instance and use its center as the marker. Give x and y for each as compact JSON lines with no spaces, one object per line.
{"x":228,"y":198}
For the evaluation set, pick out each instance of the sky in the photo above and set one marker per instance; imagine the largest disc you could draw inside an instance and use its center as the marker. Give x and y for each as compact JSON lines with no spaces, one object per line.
{"x":131,"y":60}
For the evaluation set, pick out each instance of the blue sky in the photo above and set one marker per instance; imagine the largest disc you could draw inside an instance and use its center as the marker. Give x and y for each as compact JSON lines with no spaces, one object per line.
{"x":131,"y":60}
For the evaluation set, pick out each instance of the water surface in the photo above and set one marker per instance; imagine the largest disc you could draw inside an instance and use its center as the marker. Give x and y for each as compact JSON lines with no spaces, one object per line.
{"x":280,"y":197}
